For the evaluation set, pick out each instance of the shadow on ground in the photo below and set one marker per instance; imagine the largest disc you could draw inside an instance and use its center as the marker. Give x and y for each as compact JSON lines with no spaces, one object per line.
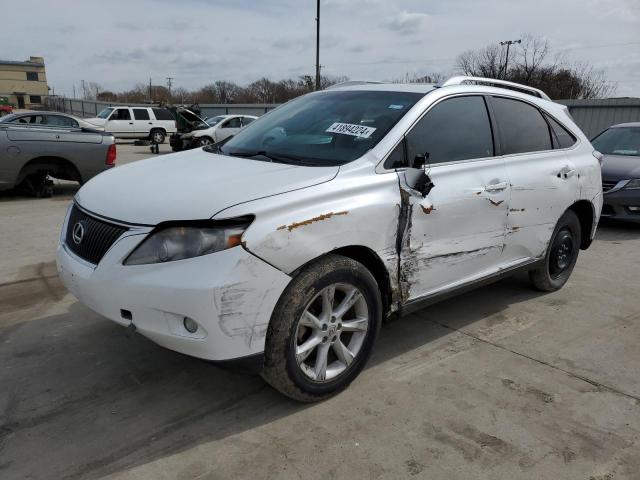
{"x":108,"y":401}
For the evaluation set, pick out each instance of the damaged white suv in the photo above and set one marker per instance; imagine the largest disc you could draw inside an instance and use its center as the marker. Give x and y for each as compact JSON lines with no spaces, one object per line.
{"x":292,"y":241}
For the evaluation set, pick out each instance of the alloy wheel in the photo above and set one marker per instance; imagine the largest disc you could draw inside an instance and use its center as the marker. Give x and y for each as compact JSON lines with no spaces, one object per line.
{"x":331,"y":332}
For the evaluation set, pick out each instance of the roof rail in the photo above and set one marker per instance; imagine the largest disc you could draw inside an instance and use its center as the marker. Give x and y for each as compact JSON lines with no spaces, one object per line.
{"x":498,"y":83}
{"x":349,"y":83}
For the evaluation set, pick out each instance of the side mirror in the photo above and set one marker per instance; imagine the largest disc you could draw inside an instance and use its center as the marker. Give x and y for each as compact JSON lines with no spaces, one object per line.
{"x":420,"y":160}
{"x":417,"y":177}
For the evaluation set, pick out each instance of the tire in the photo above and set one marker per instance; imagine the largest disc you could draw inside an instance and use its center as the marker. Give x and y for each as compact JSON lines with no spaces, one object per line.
{"x":157,"y":136}
{"x":355,"y":327}
{"x":561,"y":255}
{"x":204,"y":141}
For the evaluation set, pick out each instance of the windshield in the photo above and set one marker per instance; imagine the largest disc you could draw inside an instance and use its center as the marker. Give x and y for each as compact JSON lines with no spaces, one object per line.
{"x":214,"y":120}
{"x":105,"y":113}
{"x":619,"y":141}
{"x":325,"y":128}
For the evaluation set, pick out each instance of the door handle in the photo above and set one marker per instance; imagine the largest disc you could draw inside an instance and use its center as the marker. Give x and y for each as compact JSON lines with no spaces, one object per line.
{"x":566,"y":172}
{"x":150,"y":123}
{"x":496,"y":187}
{"x":130,"y":123}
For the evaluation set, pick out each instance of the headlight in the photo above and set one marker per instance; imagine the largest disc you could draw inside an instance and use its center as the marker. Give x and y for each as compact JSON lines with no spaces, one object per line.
{"x":170,"y":243}
{"x":633,"y":184}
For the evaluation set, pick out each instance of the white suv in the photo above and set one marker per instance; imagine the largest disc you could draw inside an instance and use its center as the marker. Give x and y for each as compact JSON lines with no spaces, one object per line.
{"x":136,"y":122}
{"x":292,"y":241}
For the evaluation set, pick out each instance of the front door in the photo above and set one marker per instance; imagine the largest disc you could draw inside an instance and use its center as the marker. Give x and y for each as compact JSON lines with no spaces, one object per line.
{"x":20,"y":101}
{"x":227,"y":128}
{"x":120,"y":123}
{"x":455,"y":234}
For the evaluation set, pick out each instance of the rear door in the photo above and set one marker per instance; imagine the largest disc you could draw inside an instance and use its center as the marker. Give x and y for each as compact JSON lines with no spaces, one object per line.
{"x":455,"y":234}
{"x":543,"y":183}
{"x":142,"y":122}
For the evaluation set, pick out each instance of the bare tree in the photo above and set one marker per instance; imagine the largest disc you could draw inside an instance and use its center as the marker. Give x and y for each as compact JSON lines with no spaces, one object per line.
{"x":533,"y":65}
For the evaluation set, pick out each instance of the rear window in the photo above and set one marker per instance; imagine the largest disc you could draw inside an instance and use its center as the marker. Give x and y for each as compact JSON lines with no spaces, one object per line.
{"x":619,"y":141}
{"x":522,"y":127}
{"x":141,"y":114}
{"x":162,"y":114}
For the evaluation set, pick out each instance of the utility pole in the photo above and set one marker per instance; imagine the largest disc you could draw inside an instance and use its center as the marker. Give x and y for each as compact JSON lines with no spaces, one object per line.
{"x":317,"y":44}
{"x":169,"y":83}
{"x":84,"y":91}
{"x":74,"y":90}
{"x":149,"y":89}
{"x":508,"y":43}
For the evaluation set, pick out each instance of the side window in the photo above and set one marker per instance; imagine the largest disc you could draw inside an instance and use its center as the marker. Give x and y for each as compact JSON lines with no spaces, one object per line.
{"x":121,"y":114}
{"x":35,"y":98}
{"x":247,"y":120}
{"x":455,"y":129}
{"x":561,"y":137}
{"x":162,"y":114}
{"x":140,"y":113}
{"x":31,"y":119}
{"x":232,"y":123}
{"x":522,"y":127}
{"x":60,"y":121}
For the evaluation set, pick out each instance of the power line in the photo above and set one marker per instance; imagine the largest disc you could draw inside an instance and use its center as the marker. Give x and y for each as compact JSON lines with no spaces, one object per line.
{"x":603,"y":45}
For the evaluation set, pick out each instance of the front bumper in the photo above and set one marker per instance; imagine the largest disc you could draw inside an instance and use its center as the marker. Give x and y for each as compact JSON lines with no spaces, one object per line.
{"x":617,"y":205}
{"x":230,"y":294}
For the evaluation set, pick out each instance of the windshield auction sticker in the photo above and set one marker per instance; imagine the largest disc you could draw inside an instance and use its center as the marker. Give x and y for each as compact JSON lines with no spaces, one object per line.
{"x":351,"y":129}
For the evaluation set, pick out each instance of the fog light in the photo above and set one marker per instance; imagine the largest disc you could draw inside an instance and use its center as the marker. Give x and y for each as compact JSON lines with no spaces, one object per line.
{"x":190,"y":325}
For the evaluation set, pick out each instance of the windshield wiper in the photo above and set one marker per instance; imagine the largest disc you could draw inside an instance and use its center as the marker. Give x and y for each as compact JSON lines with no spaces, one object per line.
{"x":274,"y":157}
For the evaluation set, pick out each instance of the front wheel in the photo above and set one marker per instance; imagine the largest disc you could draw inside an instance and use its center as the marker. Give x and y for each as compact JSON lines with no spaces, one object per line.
{"x":323,"y":329}
{"x":561,"y":256}
{"x":204,"y":142}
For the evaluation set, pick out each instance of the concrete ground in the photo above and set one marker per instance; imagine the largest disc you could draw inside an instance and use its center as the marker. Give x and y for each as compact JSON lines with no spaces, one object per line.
{"x":504,"y":382}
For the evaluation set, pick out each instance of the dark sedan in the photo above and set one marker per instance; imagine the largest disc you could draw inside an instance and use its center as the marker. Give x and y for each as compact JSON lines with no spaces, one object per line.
{"x":620,"y":145}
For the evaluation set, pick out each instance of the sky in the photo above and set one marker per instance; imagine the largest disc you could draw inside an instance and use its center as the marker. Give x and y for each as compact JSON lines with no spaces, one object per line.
{"x":122,"y":43}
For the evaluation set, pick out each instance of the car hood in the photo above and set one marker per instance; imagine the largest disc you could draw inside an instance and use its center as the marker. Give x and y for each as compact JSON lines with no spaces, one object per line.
{"x":190,"y":185}
{"x":620,"y":167}
{"x":96,"y":121}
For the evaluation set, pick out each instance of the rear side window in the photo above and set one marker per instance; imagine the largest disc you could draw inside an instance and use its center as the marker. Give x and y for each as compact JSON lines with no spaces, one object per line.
{"x":247,"y":120}
{"x":140,"y":114}
{"x":522,"y":127}
{"x":560,"y":136}
{"x":162,"y":114}
{"x":61,"y":121}
{"x":455,"y":129}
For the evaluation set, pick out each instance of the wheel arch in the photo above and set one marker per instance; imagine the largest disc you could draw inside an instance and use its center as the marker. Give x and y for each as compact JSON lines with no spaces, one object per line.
{"x":60,"y":168}
{"x":586,"y":215}
{"x":372,"y":262}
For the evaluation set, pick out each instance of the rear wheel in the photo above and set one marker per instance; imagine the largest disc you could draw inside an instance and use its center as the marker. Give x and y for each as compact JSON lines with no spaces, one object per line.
{"x":561,"y":256}
{"x":157,"y":136}
{"x":322,"y":329}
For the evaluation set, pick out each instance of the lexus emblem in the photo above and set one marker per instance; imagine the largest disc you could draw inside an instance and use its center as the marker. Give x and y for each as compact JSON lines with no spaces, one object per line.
{"x":78,"y":233}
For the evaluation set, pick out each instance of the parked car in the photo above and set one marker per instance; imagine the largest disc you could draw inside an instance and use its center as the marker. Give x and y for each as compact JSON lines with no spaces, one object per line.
{"x":151,"y":123}
{"x":56,"y":119}
{"x":290,"y":243}
{"x":5,"y":107}
{"x":187,"y":121}
{"x":620,"y":145}
{"x":223,"y":127}
{"x":33,"y":152}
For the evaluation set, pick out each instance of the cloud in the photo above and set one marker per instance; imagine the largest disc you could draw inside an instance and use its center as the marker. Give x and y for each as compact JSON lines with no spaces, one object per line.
{"x":406,"y":22}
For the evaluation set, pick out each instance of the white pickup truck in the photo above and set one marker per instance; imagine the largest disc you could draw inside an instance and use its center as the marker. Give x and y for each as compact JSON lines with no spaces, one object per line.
{"x":151,"y":123}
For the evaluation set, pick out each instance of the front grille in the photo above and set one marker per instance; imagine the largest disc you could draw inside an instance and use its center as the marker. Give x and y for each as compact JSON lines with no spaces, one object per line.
{"x":607,"y":185}
{"x":90,"y":238}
